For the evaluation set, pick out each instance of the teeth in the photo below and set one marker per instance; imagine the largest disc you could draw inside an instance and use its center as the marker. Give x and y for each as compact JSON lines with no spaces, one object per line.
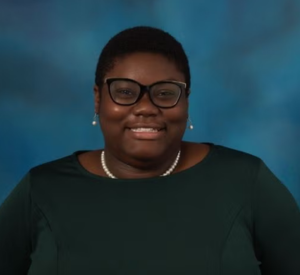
{"x":144,"y":130}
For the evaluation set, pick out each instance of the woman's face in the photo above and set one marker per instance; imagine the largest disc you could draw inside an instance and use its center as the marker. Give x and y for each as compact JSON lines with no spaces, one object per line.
{"x":121,"y":125}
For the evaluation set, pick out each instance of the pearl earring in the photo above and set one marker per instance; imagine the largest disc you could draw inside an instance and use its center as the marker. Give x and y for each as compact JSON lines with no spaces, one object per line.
{"x":190,"y":124}
{"x":94,"y":123}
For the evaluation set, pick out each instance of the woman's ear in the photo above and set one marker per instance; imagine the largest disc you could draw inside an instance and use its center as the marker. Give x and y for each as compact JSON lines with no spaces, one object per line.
{"x":96,"y":98}
{"x":188,"y":92}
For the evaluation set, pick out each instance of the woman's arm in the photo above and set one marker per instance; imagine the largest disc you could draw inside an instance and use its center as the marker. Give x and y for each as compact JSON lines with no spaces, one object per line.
{"x":276,"y":225}
{"x":15,"y":241}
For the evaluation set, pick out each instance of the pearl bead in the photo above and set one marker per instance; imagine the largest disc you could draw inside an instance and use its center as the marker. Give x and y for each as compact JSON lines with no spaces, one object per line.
{"x":110,"y":175}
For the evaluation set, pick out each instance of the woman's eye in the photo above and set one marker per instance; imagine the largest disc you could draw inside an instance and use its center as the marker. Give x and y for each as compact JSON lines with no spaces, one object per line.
{"x":165,"y":93}
{"x":125,"y":92}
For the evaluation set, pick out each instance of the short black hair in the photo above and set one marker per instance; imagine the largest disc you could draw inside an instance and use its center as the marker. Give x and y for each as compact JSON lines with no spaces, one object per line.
{"x":142,"y":39}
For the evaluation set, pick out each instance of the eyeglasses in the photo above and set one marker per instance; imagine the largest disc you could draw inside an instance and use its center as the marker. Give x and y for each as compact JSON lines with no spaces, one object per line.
{"x":163,"y":94}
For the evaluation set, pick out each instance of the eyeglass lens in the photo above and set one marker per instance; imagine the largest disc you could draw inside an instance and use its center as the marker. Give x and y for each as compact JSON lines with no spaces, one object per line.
{"x":126,"y":92}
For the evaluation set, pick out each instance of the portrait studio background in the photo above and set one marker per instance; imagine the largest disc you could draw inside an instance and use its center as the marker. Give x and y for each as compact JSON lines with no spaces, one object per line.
{"x":244,"y":58}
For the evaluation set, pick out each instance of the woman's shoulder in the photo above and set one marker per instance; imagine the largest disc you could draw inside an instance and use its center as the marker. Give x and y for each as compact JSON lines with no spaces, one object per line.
{"x":219,"y":153}
{"x":68,"y":164}
{"x":54,"y":163}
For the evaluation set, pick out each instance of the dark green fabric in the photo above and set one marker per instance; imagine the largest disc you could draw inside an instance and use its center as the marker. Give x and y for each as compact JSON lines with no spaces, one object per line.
{"x":226,"y":215}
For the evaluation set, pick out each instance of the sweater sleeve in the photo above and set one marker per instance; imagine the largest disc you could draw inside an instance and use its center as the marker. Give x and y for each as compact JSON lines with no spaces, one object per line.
{"x":15,"y":244}
{"x":276,"y":226}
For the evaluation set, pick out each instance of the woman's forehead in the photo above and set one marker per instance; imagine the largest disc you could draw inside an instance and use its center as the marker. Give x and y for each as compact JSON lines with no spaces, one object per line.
{"x":145,"y":68}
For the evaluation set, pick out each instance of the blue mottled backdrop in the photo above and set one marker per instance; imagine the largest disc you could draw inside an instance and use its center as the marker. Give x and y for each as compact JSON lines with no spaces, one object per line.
{"x":244,"y":57}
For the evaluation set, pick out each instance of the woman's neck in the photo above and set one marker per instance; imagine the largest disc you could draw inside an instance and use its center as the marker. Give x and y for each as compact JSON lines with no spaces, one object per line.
{"x":132,"y":167}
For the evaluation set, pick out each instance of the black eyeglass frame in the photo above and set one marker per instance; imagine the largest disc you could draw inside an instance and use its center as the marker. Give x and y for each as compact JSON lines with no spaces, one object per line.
{"x":144,"y":89}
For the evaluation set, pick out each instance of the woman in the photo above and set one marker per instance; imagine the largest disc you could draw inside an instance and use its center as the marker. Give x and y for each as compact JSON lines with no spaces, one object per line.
{"x":149,"y":203}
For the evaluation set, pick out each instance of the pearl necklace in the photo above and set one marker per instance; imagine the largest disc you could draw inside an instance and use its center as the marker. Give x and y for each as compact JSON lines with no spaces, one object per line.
{"x":110,"y":175}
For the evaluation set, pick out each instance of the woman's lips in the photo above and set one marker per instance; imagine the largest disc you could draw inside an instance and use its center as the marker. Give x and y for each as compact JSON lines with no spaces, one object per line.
{"x":143,"y":129}
{"x":144,"y":133}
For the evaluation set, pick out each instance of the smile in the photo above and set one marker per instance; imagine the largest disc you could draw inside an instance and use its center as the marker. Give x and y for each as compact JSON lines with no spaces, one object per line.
{"x":146,"y":133}
{"x":145,"y":130}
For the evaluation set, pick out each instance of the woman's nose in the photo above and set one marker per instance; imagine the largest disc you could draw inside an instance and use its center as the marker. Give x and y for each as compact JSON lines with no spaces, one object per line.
{"x":145,"y":106}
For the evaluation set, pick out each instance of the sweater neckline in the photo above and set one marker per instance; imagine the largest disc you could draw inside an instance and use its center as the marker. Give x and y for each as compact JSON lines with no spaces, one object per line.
{"x":183,"y":173}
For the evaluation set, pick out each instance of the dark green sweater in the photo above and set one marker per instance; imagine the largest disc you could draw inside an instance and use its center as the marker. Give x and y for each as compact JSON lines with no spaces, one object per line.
{"x":226,"y":215}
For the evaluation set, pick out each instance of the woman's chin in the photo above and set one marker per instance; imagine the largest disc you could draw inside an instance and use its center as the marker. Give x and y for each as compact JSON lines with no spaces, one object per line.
{"x":147,"y":152}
